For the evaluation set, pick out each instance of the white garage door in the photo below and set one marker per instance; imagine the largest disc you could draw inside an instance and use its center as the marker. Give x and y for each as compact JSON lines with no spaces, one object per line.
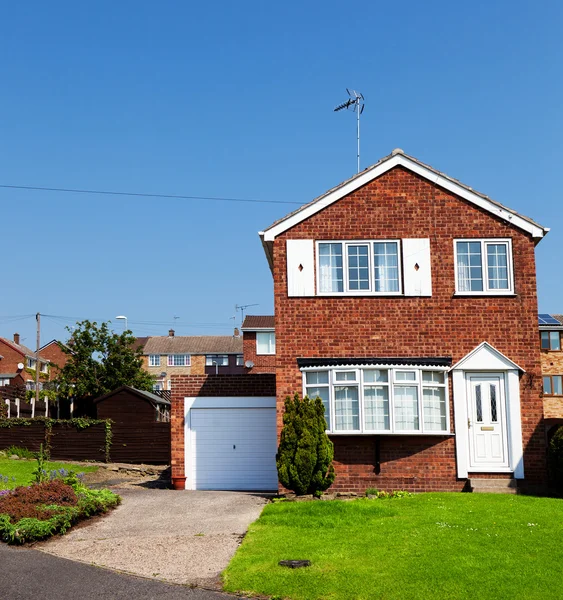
{"x":233,"y":448}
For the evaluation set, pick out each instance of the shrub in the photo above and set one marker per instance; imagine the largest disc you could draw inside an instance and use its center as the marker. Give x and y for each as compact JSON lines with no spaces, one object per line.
{"x":20,"y":452}
{"x":305,"y":453}
{"x":38,"y":501}
{"x":555,"y":459}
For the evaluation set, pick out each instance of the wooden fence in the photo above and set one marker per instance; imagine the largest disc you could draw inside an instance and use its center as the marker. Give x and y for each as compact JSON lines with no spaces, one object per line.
{"x":66,"y":441}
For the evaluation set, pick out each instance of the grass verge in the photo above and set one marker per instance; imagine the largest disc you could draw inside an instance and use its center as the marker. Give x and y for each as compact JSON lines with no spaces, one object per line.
{"x":20,"y":472}
{"x":435,"y":546}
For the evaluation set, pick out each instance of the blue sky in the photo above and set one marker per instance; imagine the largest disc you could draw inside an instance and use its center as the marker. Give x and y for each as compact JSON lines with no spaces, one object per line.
{"x":236,"y":100}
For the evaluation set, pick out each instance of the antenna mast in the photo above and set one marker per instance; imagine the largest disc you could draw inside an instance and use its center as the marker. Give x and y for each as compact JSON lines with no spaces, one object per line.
{"x":242,"y":309}
{"x":356,"y":102}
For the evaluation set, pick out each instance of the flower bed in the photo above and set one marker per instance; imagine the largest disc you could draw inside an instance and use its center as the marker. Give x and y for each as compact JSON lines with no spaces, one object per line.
{"x":36,"y":512}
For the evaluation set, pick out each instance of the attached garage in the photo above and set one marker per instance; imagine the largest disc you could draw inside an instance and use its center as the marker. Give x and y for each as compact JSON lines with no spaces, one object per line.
{"x":231,"y":443}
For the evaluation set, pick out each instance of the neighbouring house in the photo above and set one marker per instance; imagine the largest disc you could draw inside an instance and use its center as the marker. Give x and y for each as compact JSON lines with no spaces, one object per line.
{"x":407,"y":302}
{"x":551,"y":340}
{"x":17,"y":364}
{"x":259,"y":343}
{"x":140,"y":425}
{"x":164,"y":356}
{"x":55,"y":355}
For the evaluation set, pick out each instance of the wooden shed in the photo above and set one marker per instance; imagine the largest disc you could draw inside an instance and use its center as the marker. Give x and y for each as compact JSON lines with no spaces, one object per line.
{"x":141,"y":425}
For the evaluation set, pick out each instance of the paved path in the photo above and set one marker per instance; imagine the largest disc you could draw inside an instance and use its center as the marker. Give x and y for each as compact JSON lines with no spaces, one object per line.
{"x":30,"y":574}
{"x":184,"y":537}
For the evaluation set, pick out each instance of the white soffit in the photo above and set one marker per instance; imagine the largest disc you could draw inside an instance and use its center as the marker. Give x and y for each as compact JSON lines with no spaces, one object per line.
{"x":486,"y":358}
{"x":395,"y":160}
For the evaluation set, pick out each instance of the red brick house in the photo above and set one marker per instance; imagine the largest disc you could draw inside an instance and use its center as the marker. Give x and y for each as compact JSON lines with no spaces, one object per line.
{"x":259,"y":343}
{"x":406,"y":301}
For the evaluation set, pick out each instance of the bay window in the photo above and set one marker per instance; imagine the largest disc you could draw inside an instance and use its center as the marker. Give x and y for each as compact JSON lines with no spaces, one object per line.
{"x":362,"y":267}
{"x":386,"y":400}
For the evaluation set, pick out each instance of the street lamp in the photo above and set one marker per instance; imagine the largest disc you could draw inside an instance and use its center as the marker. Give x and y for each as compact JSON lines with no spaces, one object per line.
{"x":123,"y":317}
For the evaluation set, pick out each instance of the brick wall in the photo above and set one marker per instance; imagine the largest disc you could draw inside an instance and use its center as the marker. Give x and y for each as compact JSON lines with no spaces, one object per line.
{"x":263,"y":363}
{"x":400,"y":204}
{"x":57,"y":358}
{"x":191,"y":386}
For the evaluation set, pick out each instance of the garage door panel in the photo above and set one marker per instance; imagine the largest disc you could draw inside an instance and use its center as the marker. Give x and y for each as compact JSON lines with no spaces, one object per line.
{"x":233,"y":448}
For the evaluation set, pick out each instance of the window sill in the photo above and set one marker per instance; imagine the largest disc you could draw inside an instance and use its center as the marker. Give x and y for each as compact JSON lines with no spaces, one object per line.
{"x":484,"y":294}
{"x":358,"y":295}
{"x":392,"y":433}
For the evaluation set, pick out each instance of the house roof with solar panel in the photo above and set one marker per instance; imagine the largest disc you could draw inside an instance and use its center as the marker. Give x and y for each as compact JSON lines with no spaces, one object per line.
{"x":547,"y":321}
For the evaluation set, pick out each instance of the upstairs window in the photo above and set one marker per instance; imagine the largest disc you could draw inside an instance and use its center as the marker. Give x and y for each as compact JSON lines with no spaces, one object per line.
{"x":265,"y":342}
{"x":154,"y":360}
{"x":370,"y":267}
{"x":551,"y":340}
{"x":217,"y":360}
{"x":483,"y":266}
{"x":179,"y":360}
{"x":240,"y":360}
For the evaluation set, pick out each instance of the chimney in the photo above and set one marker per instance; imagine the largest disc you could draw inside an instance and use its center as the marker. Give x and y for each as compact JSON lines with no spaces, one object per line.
{"x":170,"y":333}
{"x":236,"y":332}
{"x":17,"y":338}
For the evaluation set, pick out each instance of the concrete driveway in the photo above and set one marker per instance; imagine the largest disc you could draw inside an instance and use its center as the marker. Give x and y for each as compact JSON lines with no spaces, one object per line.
{"x":185,"y":537}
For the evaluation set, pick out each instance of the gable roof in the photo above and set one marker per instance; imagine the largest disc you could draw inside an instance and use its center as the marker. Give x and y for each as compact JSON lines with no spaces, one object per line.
{"x":141,"y":393}
{"x":486,"y":358}
{"x":23,"y":350}
{"x":398,"y":158}
{"x":193,"y":344}
{"x":254,"y":322}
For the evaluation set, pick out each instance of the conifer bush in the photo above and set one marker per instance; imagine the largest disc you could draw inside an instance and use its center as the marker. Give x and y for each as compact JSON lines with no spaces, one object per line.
{"x":305,"y":452}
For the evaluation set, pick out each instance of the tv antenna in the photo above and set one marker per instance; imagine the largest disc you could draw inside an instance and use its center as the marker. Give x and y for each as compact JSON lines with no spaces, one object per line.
{"x":357,"y":104}
{"x":242,"y":309}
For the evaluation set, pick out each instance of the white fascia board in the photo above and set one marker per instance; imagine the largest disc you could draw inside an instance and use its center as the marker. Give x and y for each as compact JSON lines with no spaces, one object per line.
{"x":243,"y":329}
{"x":534,"y":230}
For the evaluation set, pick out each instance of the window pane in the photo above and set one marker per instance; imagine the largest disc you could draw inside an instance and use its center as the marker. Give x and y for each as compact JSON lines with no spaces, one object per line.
{"x":547,"y":385}
{"x":469,"y":267}
{"x":345,"y":376}
{"x":315,"y":377}
{"x":405,"y":376}
{"x":330,"y":268}
{"x":493,"y":394}
{"x":386,"y":266}
{"x":545,"y":340}
{"x":154,"y":360}
{"x":406,"y":408}
{"x":434,"y":407}
{"x":358,"y":268}
{"x":557,"y":387}
{"x":265,"y":342}
{"x":432,"y":377}
{"x":497,"y":266}
{"x":376,"y":408}
{"x":322,"y":393}
{"x":240,"y":360}
{"x":375,"y":375}
{"x":554,"y":340}
{"x":478,"y":403}
{"x":346,"y":408}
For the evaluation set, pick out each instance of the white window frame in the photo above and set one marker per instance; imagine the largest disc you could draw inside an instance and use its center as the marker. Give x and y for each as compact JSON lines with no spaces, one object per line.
{"x":240,"y":360}
{"x":346,"y":281}
{"x":187,"y":360}
{"x":30,"y":363}
{"x":154,"y":360}
{"x":485,"y":267}
{"x":390,"y":383}
{"x":271,"y":342}
{"x":210,"y":358}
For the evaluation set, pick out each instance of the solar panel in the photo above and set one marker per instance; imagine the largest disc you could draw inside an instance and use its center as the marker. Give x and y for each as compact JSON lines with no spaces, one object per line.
{"x":545,"y":319}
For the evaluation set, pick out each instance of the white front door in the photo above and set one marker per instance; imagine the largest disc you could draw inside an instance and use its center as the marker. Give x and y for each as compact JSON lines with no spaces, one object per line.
{"x":488,"y":442}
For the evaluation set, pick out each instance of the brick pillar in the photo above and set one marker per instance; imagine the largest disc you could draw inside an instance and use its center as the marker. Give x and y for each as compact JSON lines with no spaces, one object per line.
{"x":177,"y":430}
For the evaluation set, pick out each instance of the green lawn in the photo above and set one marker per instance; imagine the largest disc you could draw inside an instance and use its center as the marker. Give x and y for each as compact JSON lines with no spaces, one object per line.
{"x":427,"y":546}
{"x":22,"y":471}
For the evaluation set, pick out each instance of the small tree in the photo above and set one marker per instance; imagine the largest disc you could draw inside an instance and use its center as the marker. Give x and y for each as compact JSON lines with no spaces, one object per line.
{"x":555,"y":458}
{"x":99,"y":361}
{"x":305,"y":453}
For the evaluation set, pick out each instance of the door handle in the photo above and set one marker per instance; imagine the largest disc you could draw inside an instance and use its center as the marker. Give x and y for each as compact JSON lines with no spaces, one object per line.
{"x":468,"y":423}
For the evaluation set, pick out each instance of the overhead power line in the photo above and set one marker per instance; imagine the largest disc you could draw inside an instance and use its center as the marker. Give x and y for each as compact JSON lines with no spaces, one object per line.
{"x":142,"y":195}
